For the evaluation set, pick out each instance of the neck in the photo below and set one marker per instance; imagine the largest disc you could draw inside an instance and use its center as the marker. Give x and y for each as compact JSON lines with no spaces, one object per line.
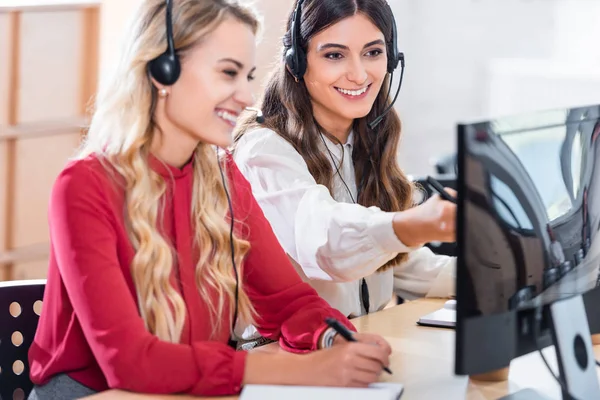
{"x":335,"y":125}
{"x":171,"y":144}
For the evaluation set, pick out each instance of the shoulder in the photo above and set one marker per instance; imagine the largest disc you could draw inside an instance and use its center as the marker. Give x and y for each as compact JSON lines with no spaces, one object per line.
{"x":261,"y":141}
{"x":85,"y":178}
{"x":239,"y":188}
{"x":266,"y":151}
{"x":234,"y":175}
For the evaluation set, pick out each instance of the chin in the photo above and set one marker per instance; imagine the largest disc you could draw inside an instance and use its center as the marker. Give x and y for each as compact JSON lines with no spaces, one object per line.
{"x":221,"y":140}
{"x":224,"y":140}
{"x":355,"y":114}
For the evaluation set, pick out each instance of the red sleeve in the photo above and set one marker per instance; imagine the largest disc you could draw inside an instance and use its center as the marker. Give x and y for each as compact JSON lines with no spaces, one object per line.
{"x":85,"y":245}
{"x":289,"y":309}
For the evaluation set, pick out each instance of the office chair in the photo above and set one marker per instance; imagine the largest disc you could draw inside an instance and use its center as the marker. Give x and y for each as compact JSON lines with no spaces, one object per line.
{"x":20,"y":306}
{"x":446,"y":165}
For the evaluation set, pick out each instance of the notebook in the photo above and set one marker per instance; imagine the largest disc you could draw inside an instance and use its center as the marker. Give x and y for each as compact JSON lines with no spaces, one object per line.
{"x":376,"y":391}
{"x":441,"y":318}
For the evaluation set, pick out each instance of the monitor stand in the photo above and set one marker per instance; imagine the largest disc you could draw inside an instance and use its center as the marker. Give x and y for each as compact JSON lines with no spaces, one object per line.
{"x":574,"y":353}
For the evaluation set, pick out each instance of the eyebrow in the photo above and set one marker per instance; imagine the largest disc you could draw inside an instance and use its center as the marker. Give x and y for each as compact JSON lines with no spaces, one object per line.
{"x":237,"y":63}
{"x":343,"y":47}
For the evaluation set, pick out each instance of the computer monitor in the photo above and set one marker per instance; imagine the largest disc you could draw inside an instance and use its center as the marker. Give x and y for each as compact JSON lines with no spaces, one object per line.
{"x":528,"y":249}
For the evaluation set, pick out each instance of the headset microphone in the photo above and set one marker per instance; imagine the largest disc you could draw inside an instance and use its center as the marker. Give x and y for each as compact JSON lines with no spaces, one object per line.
{"x":259,"y":115}
{"x":373,"y":124}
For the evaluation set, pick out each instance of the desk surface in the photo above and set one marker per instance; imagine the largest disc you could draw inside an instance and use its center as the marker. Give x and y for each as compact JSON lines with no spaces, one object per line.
{"x":423,"y":360}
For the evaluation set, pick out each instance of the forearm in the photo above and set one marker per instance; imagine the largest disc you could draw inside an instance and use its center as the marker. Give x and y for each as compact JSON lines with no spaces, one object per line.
{"x":344,"y":245}
{"x":272,"y":368}
{"x":409,"y":229}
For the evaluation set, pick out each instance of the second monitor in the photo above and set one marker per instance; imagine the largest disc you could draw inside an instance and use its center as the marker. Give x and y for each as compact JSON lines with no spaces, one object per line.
{"x":528,"y":245}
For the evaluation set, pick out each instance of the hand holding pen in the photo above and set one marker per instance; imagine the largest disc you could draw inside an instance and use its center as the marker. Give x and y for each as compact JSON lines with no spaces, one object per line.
{"x":347,"y":335}
{"x":443,"y":192}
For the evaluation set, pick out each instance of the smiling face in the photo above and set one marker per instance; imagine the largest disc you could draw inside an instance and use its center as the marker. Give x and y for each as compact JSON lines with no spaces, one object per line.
{"x":213,"y":89}
{"x":347,"y":64}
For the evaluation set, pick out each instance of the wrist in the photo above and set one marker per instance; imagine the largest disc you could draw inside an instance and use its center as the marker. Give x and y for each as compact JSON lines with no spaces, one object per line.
{"x":280,"y":366}
{"x":338,"y":339}
{"x":408,"y":229}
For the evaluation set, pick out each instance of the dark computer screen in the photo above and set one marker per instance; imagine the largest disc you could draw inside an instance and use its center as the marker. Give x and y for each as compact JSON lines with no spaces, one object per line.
{"x":527,"y":227}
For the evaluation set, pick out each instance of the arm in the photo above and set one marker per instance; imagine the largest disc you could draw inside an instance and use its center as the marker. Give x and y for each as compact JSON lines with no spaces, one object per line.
{"x":425,"y":274}
{"x":331,"y":240}
{"x":288,"y":308}
{"x":85,"y":245}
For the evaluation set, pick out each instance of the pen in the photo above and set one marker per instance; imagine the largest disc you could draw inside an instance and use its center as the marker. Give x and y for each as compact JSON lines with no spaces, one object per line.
{"x":346,"y":334}
{"x":434,"y":184}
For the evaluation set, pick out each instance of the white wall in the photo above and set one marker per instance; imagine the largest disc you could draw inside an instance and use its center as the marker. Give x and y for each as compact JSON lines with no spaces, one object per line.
{"x":448,"y":46}
{"x":570,"y":77}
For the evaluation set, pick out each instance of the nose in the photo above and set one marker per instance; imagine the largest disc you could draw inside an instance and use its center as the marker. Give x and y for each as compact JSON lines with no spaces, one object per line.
{"x":357,"y":72}
{"x":244,"y":95}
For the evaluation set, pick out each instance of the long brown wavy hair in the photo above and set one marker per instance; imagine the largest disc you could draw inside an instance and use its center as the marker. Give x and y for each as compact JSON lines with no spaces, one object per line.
{"x":287,"y":108}
{"x":120,"y":135}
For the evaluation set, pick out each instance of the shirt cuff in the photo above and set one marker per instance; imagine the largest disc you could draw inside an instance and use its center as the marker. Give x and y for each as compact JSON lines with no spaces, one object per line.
{"x":381,"y":230}
{"x":327,"y":338}
{"x":444,"y":285}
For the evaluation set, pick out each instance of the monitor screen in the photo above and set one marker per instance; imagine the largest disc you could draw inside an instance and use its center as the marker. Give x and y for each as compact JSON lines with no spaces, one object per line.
{"x":527,"y":225}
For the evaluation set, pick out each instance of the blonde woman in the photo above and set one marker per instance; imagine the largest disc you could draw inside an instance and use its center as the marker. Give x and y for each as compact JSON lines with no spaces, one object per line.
{"x":151,"y":265}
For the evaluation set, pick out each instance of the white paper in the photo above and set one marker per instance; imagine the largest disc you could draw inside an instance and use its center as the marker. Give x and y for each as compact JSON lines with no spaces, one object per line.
{"x":377,"y":391}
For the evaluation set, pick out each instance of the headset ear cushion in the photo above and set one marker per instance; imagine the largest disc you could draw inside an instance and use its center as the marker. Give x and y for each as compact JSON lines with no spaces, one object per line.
{"x":296,"y":63}
{"x":302,"y":63}
{"x":165,"y":69}
{"x":290,"y":61}
{"x":393,"y":60}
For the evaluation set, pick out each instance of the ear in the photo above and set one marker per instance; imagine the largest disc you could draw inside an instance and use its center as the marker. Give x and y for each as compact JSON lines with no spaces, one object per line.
{"x":155,"y":83}
{"x":289,"y":71}
{"x":162,"y":90}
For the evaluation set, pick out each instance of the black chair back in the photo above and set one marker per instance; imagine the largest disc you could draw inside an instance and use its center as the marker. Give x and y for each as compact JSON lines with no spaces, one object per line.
{"x":20,"y":306}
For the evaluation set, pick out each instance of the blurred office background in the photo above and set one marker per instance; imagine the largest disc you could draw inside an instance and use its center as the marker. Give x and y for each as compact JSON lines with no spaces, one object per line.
{"x":464,"y":58}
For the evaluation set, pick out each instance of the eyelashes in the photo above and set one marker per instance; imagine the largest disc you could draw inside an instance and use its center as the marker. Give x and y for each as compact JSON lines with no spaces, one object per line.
{"x":233,"y":74}
{"x":375,"y":53}
{"x":336,"y":56}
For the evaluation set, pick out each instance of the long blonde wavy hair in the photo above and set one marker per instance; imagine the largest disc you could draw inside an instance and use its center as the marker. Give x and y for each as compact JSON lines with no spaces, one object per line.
{"x":120,"y":134}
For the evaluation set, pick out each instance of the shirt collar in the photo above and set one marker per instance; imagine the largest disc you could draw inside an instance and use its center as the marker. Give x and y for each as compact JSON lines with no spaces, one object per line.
{"x":335,"y":148}
{"x":168,"y":171}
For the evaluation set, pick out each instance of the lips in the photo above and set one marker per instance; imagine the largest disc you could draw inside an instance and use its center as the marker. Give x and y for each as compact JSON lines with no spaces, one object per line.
{"x":228,"y":116}
{"x":354,"y":94}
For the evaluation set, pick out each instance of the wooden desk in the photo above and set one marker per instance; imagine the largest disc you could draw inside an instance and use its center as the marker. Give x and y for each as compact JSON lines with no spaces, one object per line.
{"x":423,"y":360}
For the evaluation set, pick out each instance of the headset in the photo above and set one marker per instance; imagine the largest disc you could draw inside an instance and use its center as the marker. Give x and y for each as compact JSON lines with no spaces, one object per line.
{"x":295,"y":56}
{"x":165,"y":69}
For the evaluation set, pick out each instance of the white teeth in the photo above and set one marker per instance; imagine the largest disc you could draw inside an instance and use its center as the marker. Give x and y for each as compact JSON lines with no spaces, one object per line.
{"x":353,"y":92}
{"x":227,"y":116}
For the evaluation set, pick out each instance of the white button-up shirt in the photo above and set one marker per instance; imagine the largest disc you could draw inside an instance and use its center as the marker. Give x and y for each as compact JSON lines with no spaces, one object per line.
{"x":333,"y":242}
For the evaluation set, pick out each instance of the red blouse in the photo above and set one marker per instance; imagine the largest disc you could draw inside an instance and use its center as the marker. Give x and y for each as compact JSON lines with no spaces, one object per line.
{"x":90,"y":327}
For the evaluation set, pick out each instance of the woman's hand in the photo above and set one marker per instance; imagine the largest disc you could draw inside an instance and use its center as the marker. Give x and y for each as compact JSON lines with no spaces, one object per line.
{"x":368,"y":338}
{"x":351,"y":364}
{"x":432,"y":221}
